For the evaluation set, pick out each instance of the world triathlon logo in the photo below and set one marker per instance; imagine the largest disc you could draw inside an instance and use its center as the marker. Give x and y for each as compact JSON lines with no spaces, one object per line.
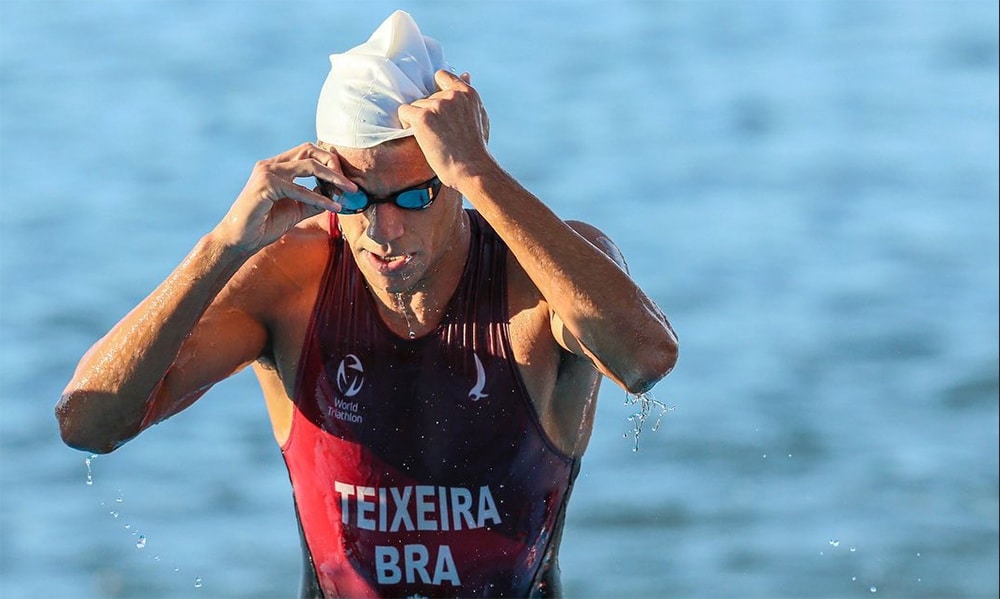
{"x":350,"y":375}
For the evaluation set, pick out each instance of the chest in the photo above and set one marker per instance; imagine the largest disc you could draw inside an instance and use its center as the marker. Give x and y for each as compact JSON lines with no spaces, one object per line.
{"x":534,"y":355}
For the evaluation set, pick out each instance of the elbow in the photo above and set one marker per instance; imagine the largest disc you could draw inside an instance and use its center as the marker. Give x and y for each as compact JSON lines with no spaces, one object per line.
{"x":653,"y":366}
{"x":77,"y":433}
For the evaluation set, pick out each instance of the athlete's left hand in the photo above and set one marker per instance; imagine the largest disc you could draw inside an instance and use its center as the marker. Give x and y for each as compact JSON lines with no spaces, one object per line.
{"x":452,"y":128}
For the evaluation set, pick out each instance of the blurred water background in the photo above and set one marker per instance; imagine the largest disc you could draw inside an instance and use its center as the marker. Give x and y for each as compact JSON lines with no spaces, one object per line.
{"x":808,"y":189}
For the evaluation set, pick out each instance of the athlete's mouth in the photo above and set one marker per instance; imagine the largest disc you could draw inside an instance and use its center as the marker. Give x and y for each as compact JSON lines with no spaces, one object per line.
{"x":389,"y":263}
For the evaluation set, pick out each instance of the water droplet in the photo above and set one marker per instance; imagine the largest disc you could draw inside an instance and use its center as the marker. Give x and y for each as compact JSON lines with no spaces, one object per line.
{"x":853,"y":549}
{"x":141,"y":543}
{"x":835,"y":542}
{"x":874,"y":589}
{"x":90,"y":474}
{"x":197,"y":583}
{"x":128,"y":526}
{"x":114,"y":514}
{"x":918,"y":554}
{"x":854,"y":578}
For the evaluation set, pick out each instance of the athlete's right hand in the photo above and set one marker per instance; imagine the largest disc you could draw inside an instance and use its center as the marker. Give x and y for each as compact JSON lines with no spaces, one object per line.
{"x":272,"y":202}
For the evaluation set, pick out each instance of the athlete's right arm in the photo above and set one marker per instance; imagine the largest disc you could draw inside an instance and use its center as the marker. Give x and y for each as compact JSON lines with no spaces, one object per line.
{"x":202,"y":323}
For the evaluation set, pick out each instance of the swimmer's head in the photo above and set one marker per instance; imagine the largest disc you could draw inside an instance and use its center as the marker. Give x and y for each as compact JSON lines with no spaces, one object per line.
{"x":367,"y":84}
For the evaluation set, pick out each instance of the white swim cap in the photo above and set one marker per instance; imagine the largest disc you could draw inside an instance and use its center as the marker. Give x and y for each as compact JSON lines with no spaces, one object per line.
{"x":368,"y":83}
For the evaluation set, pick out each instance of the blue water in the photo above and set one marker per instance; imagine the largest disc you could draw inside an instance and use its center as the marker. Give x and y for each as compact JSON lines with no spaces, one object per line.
{"x":808,"y":189}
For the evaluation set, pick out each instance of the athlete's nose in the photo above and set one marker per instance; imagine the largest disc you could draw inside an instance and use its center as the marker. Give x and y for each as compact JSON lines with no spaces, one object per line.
{"x":386,"y":223}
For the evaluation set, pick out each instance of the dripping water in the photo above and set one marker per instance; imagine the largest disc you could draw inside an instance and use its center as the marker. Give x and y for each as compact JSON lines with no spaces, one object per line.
{"x":647,"y":404}
{"x":586,"y":417}
{"x":139,"y":539}
{"x":90,"y":474}
{"x":406,"y":314}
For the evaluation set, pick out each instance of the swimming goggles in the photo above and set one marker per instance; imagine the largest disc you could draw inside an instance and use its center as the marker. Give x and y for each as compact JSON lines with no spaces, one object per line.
{"x":417,"y":197}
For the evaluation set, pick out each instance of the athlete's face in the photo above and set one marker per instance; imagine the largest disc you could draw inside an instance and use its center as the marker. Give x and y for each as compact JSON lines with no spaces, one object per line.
{"x":398,"y":249}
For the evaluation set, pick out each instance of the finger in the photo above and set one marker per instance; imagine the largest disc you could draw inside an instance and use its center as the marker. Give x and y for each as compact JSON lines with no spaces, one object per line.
{"x":302,"y":210}
{"x":295,"y":153}
{"x":409,"y":113}
{"x":447,"y":80}
{"x":425,"y":103}
{"x":284,"y":189}
{"x":331,"y":159}
{"x":304,"y":151}
{"x":294,"y":169}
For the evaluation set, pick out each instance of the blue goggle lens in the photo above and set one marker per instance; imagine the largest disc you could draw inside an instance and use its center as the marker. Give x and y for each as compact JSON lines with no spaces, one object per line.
{"x":417,"y":197}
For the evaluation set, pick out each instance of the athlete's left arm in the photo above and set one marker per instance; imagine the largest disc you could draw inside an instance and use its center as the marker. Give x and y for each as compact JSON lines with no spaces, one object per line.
{"x":638,"y":301}
{"x":597,"y":309}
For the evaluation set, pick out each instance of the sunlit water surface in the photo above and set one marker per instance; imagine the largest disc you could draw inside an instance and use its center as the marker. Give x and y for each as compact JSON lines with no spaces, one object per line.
{"x":808,"y":190}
